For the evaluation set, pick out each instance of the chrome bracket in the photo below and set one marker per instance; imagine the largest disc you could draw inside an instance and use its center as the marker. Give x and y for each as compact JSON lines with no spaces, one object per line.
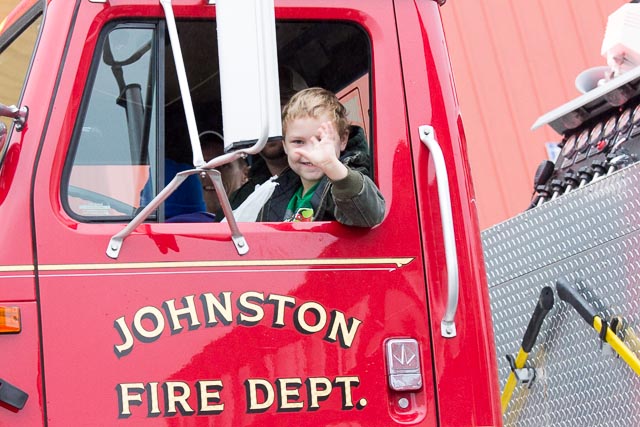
{"x":115,"y":244}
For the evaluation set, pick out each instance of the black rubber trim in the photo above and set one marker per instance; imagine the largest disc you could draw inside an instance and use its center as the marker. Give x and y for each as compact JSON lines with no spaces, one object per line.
{"x":569,"y":294}
{"x":545,"y":303}
{"x":14,"y":31}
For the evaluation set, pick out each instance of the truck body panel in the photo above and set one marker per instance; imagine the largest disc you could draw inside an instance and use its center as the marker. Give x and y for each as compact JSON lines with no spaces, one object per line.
{"x":180,"y":329}
{"x":590,"y":238}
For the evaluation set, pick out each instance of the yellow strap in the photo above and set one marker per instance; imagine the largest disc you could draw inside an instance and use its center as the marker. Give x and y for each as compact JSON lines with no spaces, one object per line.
{"x":521,"y":359}
{"x":611,"y":338}
{"x":617,"y":344}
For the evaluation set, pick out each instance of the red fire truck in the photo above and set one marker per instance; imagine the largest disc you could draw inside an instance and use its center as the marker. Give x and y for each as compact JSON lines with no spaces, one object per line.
{"x":316,"y":324}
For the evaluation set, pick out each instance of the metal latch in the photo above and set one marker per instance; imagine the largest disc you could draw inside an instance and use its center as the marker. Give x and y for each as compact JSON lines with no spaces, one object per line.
{"x":403,"y":364}
{"x":525,"y":375}
{"x":12,"y":395}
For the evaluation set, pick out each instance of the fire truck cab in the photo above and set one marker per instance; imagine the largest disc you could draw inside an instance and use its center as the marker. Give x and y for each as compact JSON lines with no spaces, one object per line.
{"x":317,"y":323}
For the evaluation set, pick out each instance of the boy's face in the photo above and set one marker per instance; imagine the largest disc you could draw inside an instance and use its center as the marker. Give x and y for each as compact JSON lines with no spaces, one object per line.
{"x":304,"y":134}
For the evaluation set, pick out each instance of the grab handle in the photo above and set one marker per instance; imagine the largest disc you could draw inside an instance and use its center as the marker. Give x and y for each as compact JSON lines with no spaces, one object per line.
{"x":427,"y":136}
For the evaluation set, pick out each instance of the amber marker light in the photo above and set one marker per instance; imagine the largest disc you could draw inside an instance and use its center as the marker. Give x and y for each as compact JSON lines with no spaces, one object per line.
{"x":9,"y":320}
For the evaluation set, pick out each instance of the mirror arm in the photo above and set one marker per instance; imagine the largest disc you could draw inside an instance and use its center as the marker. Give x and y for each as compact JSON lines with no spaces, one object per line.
{"x":3,"y":135}
{"x":236,"y":236}
{"x":198,"y":159}
{"x":115,"y":244}
{"x":19,"y":115}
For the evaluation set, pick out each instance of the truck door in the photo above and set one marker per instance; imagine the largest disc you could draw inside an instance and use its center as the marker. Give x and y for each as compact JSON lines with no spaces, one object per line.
{"x":20,"y":377}
{"x":180,"y":329}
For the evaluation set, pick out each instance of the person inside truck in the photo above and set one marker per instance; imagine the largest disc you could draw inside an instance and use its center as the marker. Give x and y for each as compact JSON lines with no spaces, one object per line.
{"x":331,"y":164}
{"x":234,"y":175}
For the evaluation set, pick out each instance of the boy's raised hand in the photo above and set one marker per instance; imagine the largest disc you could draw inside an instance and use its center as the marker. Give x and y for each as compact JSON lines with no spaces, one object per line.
{"x":324,"y":151}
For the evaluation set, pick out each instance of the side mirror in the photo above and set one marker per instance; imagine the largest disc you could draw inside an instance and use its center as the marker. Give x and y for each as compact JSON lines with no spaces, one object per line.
{"x":249,"y":84}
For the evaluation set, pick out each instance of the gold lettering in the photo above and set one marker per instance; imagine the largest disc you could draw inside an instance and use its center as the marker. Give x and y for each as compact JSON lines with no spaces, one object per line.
{"x":339,"y":325}
{"x":209,"y":397}
{"x":254,"y":404}
{"x":320,"y":318}
{"x":214,"y":308}
{"x":247,"y":306}
{"x":152,"y":393}
{"x":153,"y":314}
{"x":176,"y":395}
{"x":174,"y":314}
{"x":247,"y":309}
{"x":319,"y":388}
{"x":127,"y":338}
{"x":128,"y":394}
{"x":345,"y":384}
{"x":285,"y":392}
{"x":280,"y":302}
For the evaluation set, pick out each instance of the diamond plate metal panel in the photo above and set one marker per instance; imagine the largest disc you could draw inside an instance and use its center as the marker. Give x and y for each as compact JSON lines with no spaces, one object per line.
{"x":591,"y":237}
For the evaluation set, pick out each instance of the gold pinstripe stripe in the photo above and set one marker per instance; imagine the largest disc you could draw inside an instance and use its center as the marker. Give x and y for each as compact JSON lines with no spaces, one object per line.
{"x":15,"y":268}
{"x":398,"y":262}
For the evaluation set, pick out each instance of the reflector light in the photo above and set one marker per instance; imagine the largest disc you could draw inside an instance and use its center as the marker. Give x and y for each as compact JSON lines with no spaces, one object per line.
{"x":9,"y":320}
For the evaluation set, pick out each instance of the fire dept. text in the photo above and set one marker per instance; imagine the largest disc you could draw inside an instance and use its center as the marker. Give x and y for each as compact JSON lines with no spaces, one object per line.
{"x":206,"y":397}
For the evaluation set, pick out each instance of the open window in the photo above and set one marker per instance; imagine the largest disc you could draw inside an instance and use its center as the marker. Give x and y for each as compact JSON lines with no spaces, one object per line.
{"x":131,"y":135}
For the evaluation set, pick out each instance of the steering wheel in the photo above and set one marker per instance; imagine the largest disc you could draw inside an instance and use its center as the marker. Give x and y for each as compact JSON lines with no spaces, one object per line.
{"x":92,"y":196}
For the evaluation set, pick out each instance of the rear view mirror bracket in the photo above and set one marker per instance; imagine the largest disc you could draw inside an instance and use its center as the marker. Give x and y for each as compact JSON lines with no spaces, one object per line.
{"x":19,"y":115}
{"x":116,"y":242}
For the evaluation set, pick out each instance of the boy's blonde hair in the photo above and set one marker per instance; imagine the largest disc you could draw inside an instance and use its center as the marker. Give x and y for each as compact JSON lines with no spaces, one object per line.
{"x":313,"y":102}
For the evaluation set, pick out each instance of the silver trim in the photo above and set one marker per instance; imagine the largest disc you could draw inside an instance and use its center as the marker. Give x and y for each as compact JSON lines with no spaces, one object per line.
{"x":19,"y":115}
{"x":427,"y":136}
{"x":115,"y":244}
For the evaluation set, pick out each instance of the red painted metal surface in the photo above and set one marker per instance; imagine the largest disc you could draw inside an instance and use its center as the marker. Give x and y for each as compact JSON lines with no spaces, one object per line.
{"x":108,"y":335}
{"x":20,"y":367}
{"x":16,"y":284}
{"x":431,"y":100}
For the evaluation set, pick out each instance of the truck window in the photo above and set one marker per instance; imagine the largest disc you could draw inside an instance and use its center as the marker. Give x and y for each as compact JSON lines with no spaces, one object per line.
{"x":18,"y":36}
{"x":131,"y":136}
{"x":114,"y":159}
